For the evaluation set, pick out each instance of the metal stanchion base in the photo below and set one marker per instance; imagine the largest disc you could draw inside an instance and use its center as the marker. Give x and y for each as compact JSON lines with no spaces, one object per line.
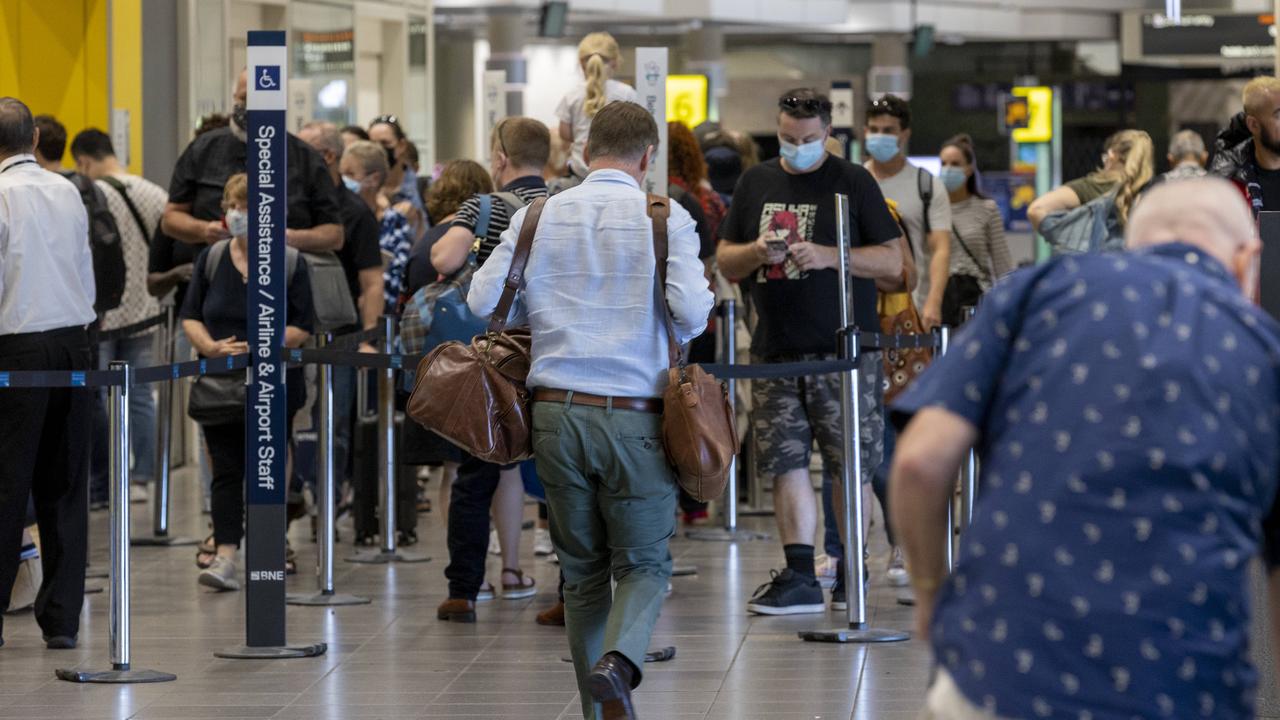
{"x":92,"y":590}
{"x":683,"y":570}
{"x":162,"y":541}
{"x":275,"y":652}
{"x":117,"y":676}
{"x":725,"y":535}
{"x":851,"y":635}
{"x":385,"y":557}
{"x":96,"y":575}
{"x":321,"y":599}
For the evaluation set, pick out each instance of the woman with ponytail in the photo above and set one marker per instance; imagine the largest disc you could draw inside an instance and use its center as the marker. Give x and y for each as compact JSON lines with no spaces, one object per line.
{"x":1127,"y":168}
{"x":599,"y":57}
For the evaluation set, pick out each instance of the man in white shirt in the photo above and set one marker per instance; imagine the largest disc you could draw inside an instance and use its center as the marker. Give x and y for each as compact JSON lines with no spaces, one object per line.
{"x":46,"y":301}
{"x":598,"y":374}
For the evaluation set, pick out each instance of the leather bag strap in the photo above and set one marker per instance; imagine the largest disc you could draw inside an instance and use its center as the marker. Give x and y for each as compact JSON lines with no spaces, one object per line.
{"x":515,"y":276}
{"x":659,"y":210}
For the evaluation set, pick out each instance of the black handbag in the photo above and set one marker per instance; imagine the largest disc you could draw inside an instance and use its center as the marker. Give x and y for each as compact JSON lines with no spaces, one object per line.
{"x":962,"y":291}
{"x":217,"y":399}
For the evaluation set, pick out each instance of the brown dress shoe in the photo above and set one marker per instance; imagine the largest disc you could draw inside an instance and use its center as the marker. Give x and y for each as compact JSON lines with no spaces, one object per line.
{"x":457,"y":610}
{"x":610,"y":683}
{"x":552,"y":616}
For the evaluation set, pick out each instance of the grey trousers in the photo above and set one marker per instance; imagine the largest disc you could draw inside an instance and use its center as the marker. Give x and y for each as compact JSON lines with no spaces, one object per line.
{"x":612,"y":503}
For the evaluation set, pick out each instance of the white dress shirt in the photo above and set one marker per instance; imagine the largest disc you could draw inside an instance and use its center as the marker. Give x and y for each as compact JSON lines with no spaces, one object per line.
{"x":589,"y":289}
{"x":46,"y":268}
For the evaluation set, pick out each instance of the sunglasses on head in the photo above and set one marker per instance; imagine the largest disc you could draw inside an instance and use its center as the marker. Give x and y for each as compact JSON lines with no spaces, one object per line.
{"x":809,"y":105}
{"x":892,"y":106}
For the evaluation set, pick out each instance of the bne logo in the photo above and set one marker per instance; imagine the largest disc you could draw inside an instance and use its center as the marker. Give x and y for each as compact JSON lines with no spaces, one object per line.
{"x":267,"y":77}
{"x":266,"y":575}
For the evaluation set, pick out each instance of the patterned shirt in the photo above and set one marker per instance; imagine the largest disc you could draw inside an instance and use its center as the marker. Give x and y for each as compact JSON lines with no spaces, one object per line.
{"x":136,"y":304}
{"x":1128,"y":411}
{"x":396,"y":240}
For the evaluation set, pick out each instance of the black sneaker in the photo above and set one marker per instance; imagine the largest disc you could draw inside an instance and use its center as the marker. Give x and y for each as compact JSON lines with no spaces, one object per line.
{"x":788,"y":593}
{"x":839,"y":598}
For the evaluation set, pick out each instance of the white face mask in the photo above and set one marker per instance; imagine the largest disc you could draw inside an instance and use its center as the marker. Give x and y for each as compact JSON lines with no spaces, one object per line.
{"x":237,"y":223}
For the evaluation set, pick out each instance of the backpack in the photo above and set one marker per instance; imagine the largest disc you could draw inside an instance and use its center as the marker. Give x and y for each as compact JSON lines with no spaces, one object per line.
{"x":924,"y":185}
{"x":109,"y":272}
{"x":1092,"y":227}
{"x":438,"y":312}
{"x":123,"y":191}
{"x":217,"y":249}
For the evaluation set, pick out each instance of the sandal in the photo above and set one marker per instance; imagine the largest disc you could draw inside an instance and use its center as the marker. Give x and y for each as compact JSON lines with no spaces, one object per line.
{"x":205,"y":553}
{"x":290,"y":559}
{"x":523,"y":587}
{"x":486,"y":593}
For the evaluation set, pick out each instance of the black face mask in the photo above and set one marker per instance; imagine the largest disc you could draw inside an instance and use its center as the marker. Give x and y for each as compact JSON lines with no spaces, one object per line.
{"x":240,"y":116}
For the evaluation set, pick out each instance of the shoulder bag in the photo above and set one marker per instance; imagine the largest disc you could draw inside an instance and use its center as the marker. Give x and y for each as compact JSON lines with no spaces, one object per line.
{"x":698,"y":428}
{"x":963,"y":290}
{"x":898,"y":316}
{"x":474,"y":394}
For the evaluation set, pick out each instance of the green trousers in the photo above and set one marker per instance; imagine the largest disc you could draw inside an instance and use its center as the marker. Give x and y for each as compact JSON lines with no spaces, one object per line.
{"x":612,"y":503}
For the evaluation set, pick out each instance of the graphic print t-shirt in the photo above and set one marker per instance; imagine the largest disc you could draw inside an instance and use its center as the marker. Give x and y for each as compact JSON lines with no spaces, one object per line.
{"x":800,"y":311}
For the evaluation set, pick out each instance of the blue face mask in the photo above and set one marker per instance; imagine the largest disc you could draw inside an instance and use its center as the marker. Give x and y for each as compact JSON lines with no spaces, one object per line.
{"x":881,"y":146}
{"x":802,"y":157}
{"x":953,"y":177}
{"x":352,"y":185}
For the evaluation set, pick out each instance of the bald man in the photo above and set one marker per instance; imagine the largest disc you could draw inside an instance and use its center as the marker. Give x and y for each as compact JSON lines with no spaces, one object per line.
{"x":1126,"y":410}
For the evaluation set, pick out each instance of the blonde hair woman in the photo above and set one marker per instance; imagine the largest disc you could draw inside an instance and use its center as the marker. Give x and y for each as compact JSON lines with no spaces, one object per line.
{"x":1128,"y":165}
{"x":599,"y":57}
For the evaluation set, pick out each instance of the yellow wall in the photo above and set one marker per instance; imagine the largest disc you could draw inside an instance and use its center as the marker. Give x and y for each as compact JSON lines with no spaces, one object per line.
{"x":54,"y":57}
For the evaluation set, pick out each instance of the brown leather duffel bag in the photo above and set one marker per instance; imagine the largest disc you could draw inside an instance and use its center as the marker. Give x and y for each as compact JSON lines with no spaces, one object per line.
{"x":474,"y":394}
{"x":698,"y":425}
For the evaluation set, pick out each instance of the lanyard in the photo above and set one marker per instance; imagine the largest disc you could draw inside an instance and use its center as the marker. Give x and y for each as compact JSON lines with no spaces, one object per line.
{"x":20,"y":162}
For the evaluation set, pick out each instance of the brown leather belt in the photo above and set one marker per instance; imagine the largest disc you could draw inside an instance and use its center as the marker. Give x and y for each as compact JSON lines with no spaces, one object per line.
{"x":646,"y":405}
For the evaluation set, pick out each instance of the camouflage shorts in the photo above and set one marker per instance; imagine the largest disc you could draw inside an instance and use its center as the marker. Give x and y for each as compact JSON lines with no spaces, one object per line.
{"x":789,"y":414}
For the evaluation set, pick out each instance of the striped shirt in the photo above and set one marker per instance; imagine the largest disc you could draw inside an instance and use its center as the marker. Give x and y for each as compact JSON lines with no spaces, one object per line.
{"x":528,"y":189}
{"x":978,"y":224}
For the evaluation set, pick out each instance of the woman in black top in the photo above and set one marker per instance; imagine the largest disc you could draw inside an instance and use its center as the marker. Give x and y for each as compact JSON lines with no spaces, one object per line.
{"x":214,"y":317}
{"x":458,"y":181}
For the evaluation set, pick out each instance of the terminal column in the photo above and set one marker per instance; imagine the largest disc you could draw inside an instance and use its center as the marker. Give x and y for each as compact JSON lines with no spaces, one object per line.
{"x":506,"y":52}
{"x":704,"y":53}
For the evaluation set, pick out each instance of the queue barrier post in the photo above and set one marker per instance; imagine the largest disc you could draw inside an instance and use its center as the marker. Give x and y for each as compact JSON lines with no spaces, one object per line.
{"x":728,"y":352}
{"x":161,"y":496}
{"x":325,"y":595}
{"x":387,"y":464}
{"x":944,"y":343}
{"x":122,"y":670}
{"x":968,"y":472}
{"x":857,"y":629}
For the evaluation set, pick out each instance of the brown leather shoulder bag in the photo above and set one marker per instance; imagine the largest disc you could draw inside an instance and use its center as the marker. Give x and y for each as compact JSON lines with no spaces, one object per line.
{"x":698,"y":426}
{"x":474,"y":394}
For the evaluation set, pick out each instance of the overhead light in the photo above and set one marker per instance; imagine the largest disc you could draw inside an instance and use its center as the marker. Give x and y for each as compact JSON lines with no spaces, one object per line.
{"x":1173,"y":11}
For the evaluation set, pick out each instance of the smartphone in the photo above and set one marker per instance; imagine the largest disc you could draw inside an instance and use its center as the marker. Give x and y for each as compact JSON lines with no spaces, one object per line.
{"x":776,"y":245}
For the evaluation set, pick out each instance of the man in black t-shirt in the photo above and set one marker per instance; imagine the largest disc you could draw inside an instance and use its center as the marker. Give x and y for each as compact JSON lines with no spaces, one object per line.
{"x":780,"y":239}
{"x":194,"y":212}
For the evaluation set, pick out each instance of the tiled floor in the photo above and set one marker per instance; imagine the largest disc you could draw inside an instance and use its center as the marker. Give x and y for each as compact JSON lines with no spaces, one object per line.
{"x":392,"y":659}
